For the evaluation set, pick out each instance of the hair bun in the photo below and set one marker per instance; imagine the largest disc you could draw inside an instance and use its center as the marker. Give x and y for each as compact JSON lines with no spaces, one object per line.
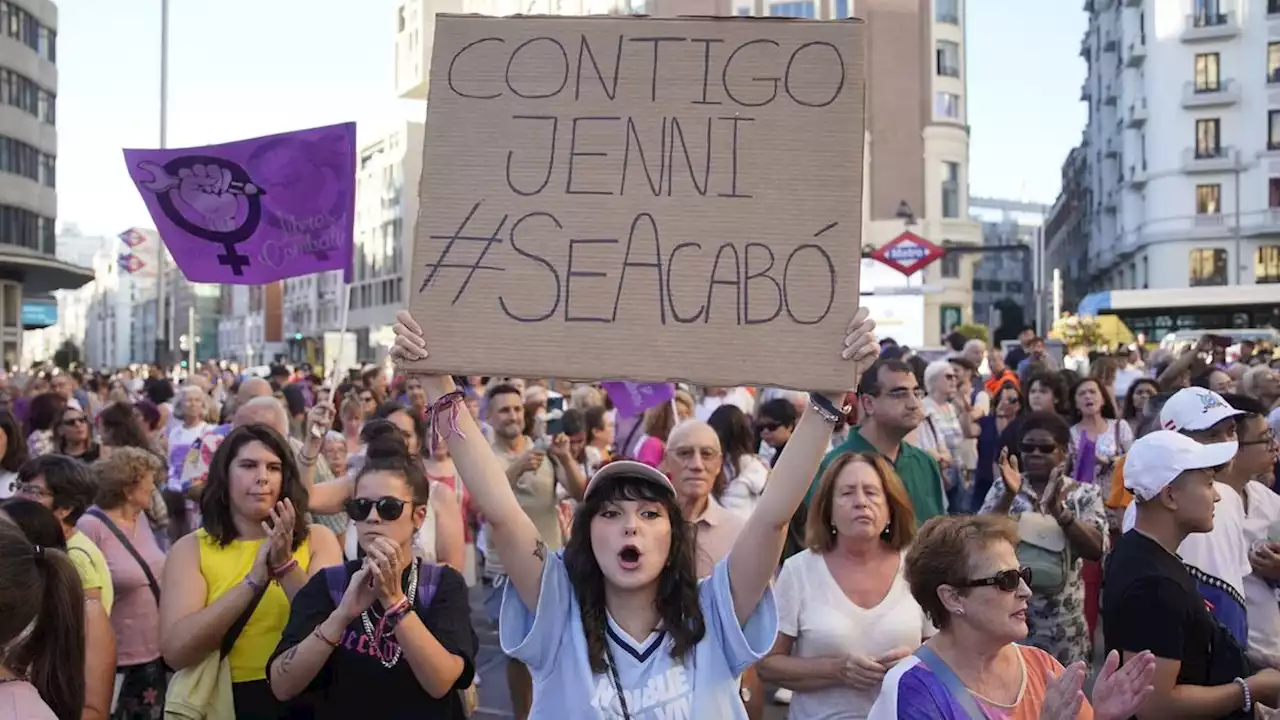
{"x":383,"y":440}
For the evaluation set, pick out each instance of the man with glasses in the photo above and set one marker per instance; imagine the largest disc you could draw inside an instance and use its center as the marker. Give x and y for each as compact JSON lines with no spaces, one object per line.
{"x":1150,"y":599}
{"x":890,"y":399}
{"x":1257,"y":458}
{"x":63,"y":485}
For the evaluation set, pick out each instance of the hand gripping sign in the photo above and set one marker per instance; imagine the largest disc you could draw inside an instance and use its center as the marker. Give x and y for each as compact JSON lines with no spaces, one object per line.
{"x":642,"y":198}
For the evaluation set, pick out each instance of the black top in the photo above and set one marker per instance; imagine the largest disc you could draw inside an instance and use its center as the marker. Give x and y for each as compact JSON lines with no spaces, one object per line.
{"x":353,"y":681}
{"x":1150,"y":602}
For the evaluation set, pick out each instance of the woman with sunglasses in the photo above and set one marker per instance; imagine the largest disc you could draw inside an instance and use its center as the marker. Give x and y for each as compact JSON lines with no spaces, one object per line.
{"x":73,"y":435}
{"x":253,"y":554}
{"x":617,"y":624}
{"x":387,"y":624}
{"x":1062,"y":523}
{"x":964,"y":572}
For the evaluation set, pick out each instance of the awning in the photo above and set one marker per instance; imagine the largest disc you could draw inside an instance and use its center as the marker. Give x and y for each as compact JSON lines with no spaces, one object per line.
{"x":41,"y":273}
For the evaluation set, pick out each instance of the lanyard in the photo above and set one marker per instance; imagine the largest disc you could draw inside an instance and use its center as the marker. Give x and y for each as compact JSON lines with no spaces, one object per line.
{"x":617,"y":684}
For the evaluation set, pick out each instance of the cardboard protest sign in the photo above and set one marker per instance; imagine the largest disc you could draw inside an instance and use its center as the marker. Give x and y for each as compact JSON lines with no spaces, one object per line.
{"x":254,"y":211}
{"x":642,"y":198}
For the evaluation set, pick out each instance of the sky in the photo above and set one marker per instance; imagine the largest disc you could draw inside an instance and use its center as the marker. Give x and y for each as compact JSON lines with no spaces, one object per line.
{"x":242,"y":68}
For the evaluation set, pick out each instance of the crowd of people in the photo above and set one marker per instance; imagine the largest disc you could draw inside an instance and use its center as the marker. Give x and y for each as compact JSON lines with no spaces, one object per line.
{"x":972,"y":537}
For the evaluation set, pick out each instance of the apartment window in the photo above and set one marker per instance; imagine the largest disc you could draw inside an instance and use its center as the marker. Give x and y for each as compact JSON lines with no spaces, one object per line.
{"x":1146,"y":273}
{"x":947,"y":11}
{"x":793,"y":9}
{"x":1273,"y":7}
{"x":1208,"y":199}
{"x":1273,"y":193}
{"x":1273,"y":130}
{"x":1266,"y":265}
{"x":1208,"y":143}
{"x":950,"y":190}
{"x":1273,"y":60}
{"x":841,"y":9}
{"x":744,"y":12}
{"x":946,"y":105}
{"x":948,"y":59}
{"x":1208,"y":266}
{"x":1207,"y":76}
{"x":951,"y":265}
{"x":1208,"y":13}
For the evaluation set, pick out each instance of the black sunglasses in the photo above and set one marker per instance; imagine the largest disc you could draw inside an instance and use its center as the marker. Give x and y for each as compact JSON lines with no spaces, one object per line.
{"x":771,"y":427}
{"x":75,"y":421}
{"x":389,"y":508}
{"x":1006,"y":580}
{"x":1043,"y":448}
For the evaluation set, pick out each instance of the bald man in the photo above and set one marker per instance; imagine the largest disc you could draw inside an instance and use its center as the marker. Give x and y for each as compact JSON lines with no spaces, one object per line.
{"x":263,"y":410}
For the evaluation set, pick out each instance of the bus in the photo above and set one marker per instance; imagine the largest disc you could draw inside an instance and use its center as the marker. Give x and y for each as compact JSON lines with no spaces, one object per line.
{"x":1156,"y":313}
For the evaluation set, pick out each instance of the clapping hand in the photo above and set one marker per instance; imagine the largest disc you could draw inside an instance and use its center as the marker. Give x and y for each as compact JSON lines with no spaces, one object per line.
{"x":360,"y":593}
{"x":1062,"y":696}
{"x":387,"y":562}
{"x":862,"y":672}
{"x":1010,"y":472}
{"x":1118,"y":694}
{"x":279,"y":531}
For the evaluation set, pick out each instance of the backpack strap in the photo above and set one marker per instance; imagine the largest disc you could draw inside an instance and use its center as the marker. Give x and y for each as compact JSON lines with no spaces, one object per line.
{"x":955,"y":688}
{"x":428,"y":582}
{"x":335,"y":578}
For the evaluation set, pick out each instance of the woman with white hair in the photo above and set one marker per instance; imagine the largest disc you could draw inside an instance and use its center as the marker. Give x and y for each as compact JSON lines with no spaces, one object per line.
{"x":945,"y":426}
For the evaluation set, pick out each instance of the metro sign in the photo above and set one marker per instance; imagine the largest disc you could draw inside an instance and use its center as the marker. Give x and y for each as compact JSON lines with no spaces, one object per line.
{"x":908,"y":253}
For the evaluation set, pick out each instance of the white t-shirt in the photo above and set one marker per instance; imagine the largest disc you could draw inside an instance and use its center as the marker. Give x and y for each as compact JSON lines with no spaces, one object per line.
{"x":1260,"y":598}
{"x":745,"y":485}
{"x":826,"y":623}
{"x":180,"y":441}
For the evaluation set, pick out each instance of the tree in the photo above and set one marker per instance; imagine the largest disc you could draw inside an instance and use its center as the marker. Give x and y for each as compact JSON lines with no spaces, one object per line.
{"x":67,"y":355}
{"x":1075,"y":331}
{"x":975,"y":331}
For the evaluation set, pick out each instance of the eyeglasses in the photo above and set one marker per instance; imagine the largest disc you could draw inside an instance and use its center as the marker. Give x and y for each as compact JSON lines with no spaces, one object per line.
{"x":1267,"y":438}
{"x":32,"y":490}
{"x":1042,"y":448}
{"x":771,"y":427}
{"x":75,"y":421}
{"x":389,"y":508}
{"x":686,"y":454}
{"x":1006,"y":580}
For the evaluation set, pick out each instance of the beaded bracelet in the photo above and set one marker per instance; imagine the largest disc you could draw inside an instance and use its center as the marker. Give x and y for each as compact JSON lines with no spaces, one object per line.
{"x":320,"y":634}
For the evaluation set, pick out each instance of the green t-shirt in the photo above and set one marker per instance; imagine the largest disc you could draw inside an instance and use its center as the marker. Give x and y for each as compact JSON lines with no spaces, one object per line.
{"x":919,"y":472}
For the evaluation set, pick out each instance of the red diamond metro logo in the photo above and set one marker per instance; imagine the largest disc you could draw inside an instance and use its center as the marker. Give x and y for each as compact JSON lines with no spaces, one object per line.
{"x":908,"y":253}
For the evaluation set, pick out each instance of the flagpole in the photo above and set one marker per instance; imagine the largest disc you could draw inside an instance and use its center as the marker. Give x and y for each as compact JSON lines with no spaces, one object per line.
{"x":162,"y":344}
{"x":342,"y":339}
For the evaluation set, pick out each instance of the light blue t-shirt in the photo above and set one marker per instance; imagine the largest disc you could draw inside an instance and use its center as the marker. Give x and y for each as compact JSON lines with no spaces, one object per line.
{"x":657,"y":686}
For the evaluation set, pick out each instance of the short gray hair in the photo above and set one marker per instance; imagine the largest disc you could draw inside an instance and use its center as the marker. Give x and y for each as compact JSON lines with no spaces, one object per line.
{"x":251,"y":412}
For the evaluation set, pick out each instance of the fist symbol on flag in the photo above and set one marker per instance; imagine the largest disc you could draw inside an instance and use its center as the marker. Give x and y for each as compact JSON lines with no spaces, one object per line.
{"x":207,"y":189}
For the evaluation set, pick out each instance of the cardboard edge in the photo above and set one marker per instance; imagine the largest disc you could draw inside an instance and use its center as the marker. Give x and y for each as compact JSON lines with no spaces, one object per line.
{"x":734,"y":18}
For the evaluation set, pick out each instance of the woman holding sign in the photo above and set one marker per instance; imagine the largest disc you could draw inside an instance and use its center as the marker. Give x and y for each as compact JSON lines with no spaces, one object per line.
{"x":617,"y":622}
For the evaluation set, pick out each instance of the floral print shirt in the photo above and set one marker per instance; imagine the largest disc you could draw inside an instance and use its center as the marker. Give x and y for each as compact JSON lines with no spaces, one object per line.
{"x":1056,"y":623}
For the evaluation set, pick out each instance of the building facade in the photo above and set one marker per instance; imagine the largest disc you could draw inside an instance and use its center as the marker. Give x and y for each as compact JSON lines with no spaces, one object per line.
{"x":28,"y":150}
{"x":1182,"y":144}
{"x":1005,"y":280}
{"x":1066,"y":237}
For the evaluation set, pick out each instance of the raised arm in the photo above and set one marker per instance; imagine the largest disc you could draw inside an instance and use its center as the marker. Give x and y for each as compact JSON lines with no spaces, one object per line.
{"x":522,"y":549}
{"x":755,"y":555}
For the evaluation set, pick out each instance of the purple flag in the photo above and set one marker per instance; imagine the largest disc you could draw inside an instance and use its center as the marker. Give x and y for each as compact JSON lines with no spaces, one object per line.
{"x":254,"y":211}
{"x":634,"y":398}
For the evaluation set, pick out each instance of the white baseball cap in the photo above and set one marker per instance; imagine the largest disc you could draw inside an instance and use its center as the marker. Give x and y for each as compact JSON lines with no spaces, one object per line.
{"x":1195,"y":408}
{"x":629,"y":468}
{"x":1157,"y":459}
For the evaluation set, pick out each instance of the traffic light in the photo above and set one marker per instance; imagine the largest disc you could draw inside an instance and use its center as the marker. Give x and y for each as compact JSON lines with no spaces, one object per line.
{"x":297,"y":336}
{"x":183,"y":344}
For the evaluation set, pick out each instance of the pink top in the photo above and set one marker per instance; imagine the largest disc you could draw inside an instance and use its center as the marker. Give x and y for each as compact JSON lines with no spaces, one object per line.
{"x":20,"y":701}
{"x":135,"y":617}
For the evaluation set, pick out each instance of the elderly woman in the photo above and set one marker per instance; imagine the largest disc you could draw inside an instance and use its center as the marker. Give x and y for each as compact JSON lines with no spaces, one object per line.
{"x":126,"y":483}
{"x":845,"y":613}
{"x":1062,"y":523}
{"x":964,"y":572}
{"x":945,"y":428}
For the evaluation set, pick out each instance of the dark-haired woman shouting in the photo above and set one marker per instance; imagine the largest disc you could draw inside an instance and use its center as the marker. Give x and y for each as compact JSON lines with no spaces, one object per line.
{"x":617,"y":624}
{"x":387,"y":624}
{"x":242,"y":567}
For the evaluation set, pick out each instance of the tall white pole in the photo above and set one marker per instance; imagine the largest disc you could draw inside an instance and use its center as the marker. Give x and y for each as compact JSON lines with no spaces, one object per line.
{"x":162,"y":335}
{"x":192,"y":337}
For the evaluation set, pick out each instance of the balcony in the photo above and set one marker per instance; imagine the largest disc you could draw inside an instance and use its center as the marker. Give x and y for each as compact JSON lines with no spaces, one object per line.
{"x":1133,"y":3}
{"x":1085,"y":92}
{"x":1109,"y":95}
{"x":1227,"y":92}
{"x":1138,"y":114}
{"x":1109,"y":44}
{"x":1210,"y":26}
{"x":1085,"y":49}
{"x":1110,"y":150}
{"x":1210,"y":220}
{"x":1221,"y":159}
{"x":1137,"y":176}
{"x":1137,"y":53}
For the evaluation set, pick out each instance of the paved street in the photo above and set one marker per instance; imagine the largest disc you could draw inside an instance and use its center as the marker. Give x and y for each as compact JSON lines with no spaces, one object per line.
{"x":491,"y":664}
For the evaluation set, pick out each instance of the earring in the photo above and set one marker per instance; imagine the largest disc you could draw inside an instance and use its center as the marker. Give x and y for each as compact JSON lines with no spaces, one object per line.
{"x":887,"y":532}
{"x":833,"y":529}
{"x":959,"y":611}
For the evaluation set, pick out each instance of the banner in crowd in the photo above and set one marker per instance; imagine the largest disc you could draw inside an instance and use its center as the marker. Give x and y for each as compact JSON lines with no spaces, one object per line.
{"x":631,"y":399}
{"x":254,"y":211}
{"x":646,"y":198}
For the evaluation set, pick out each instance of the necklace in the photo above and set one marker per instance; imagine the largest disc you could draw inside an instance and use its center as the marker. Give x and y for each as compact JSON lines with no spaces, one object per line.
{"x":368,"y":624}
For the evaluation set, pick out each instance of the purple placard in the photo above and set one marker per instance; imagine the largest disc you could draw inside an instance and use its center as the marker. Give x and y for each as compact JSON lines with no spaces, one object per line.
{"x":634,"y":398}
{"x":254,"y":211}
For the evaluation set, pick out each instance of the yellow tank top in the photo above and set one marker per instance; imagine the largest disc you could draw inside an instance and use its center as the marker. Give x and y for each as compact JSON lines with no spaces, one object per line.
{"x":226,"y":567}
